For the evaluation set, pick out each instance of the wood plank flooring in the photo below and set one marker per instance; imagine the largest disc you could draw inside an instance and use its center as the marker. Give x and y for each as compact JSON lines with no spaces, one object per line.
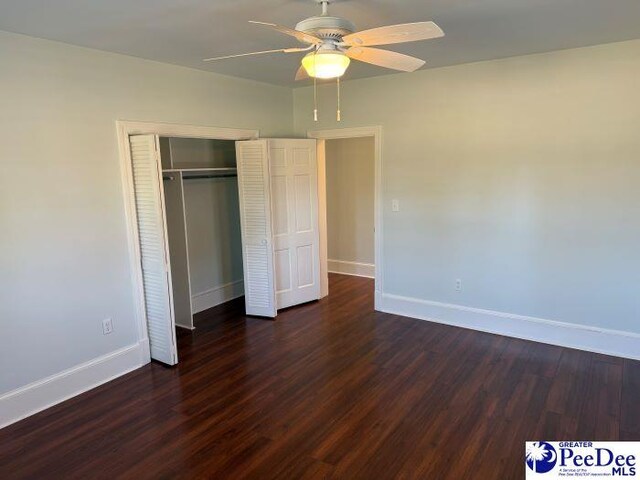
{"x":330,"y":390}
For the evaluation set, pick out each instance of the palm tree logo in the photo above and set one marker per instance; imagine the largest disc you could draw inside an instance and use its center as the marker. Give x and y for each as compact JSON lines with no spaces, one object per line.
{"x":540,"y":456}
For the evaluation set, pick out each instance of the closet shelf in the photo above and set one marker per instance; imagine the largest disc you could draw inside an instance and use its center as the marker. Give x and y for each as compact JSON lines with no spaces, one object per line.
{"x":202,"y":170}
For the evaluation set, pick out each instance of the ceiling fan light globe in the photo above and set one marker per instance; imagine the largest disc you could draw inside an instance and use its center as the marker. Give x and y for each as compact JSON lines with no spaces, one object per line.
{"x":325,"y":65}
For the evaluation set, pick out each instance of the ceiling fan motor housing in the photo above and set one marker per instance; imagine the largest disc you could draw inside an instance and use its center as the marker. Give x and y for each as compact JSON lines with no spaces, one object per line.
{"x":326,"y":27}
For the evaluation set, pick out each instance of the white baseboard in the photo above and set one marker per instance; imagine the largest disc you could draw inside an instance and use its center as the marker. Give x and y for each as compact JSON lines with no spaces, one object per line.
{"x":45,"y":393}
{"x":592,"y":339}
{"x":217,"y":295}
{"x":352,"y":268}
{"x":186,"y":327}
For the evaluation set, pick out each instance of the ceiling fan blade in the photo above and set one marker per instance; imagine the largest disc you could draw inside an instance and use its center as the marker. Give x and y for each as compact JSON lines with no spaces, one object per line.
{"x":301,"y":36}
{"x":406,"y":32}
{"x":385,"y":58}
{"x":301,"y":74}
{"x":279,"y":50}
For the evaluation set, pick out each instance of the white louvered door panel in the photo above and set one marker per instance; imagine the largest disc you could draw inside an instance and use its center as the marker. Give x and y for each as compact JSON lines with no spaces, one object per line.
{"x":255,"y":216}
{"x":154,"y":248}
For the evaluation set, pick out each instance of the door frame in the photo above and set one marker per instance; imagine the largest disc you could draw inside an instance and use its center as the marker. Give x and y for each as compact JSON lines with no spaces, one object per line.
{"x":333,"y":134}
{"x":124,"y":129}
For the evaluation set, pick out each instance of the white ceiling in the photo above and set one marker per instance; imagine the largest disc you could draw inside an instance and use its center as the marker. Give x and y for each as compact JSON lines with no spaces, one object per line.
{"x":183,"y":32}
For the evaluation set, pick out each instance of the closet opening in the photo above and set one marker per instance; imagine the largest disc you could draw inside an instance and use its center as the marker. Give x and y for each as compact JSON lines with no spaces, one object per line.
{"x":215,"y":220}
{"x":199,"y":178}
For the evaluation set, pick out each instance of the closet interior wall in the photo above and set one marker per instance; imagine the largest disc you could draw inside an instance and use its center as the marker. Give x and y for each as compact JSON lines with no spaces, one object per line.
{"x":203,"y":224}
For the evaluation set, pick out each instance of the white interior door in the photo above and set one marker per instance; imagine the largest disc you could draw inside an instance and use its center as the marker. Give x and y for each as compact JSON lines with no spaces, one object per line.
{"x":294,"y":200}
{"x":154,"y":248}
{"x":255,"y":221}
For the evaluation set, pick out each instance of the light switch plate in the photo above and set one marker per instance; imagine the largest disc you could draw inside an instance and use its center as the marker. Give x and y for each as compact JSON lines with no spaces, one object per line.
{"x":395,"y":205}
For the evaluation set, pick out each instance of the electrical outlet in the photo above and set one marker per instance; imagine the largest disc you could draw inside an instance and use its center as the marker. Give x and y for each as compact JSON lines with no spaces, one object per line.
{"x":395,"y":205}
{"x":458,"y":285}
{"x":107,"y":326}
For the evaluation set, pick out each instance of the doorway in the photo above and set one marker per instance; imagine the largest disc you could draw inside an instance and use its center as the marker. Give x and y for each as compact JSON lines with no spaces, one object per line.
{"x":350,"y":179}
{"x":364,"y":136}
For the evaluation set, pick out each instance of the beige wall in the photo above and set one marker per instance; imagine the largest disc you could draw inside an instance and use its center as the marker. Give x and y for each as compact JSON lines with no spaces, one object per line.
{"x":350,"y":168}
{"x":518,"y":176}
{"x":213,"y":230}
{"x":212,"y":213}
{"x":64,"y":264}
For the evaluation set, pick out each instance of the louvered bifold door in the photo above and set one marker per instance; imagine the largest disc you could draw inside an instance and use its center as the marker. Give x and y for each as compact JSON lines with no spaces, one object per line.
{"x":154,"y":250}
{"x":255,"y":220}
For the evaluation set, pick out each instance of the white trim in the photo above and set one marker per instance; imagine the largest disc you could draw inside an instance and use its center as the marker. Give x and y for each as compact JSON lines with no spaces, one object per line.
{"x":323,"y":250}
{"x":186,"y":131}
{"x":357,"y":269}
{"x":124,"y":130}
{"x":355,"y":132}
{"x":216,"y":296}
{"x":45,"y":393}
{"x":582,"y":337}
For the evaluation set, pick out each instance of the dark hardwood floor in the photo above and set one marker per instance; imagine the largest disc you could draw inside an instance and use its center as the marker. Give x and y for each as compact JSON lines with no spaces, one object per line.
{"x":330,"y":390}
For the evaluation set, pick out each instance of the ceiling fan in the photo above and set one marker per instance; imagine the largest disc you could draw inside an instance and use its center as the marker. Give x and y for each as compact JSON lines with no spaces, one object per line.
{"x":332,"y":42}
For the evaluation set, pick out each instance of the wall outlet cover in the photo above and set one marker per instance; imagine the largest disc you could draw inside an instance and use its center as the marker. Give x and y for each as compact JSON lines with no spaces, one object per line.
{"x":107,"y":326}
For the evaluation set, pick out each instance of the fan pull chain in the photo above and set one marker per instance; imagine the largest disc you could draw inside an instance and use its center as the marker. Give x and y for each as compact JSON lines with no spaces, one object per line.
{"x":315,"y":100}
{"x":315,"y":90}
{"x":338,"y":112}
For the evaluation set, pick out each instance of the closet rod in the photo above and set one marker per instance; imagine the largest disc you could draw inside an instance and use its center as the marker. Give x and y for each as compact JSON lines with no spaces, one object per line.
{"x":209,"y":176}
{"x":188,"y":177}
